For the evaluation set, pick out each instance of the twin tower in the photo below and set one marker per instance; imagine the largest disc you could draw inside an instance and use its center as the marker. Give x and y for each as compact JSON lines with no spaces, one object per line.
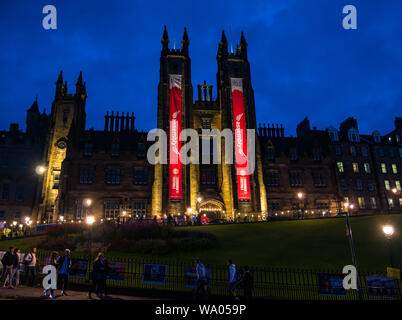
{"x":219,"y":190}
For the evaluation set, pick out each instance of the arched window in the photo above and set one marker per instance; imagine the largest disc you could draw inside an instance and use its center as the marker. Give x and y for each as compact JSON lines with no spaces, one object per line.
{"x":376,"y":137}
{"x":333,"y":134}
{"x":353,"y":135}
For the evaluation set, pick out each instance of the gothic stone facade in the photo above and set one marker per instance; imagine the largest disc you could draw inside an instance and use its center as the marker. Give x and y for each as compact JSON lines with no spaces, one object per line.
{"x":106,"y":173}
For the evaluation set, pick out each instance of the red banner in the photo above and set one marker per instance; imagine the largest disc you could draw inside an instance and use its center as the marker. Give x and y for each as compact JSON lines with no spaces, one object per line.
{"x":239,"y":127}
{"x":175,"y":167}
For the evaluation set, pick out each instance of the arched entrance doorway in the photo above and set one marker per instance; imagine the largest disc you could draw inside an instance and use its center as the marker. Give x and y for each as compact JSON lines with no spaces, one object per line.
{"x":213,"y":209}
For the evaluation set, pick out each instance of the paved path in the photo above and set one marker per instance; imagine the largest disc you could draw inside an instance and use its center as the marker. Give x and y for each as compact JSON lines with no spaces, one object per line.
{"x":29,"y":293}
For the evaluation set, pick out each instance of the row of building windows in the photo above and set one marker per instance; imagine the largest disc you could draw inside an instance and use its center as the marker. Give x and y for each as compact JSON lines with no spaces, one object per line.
{"x":5,"y":192}
{"x":295,"y":179}
{"x":113,"y":176}
{"x":17,"y":215}
{"x":115,"y":150}
{"x":270,"y":154}
{"x":367,"y":168}
{"x":113,"y":209}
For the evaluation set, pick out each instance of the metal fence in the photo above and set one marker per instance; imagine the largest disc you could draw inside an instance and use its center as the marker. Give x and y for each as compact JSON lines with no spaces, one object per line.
{"x":175,"y":277}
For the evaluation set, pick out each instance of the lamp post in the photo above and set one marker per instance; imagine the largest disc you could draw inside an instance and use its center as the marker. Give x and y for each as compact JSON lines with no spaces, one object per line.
{"x":351,"y":244}
{"x":90,"y":221}
{"x":300,"y":196}
{"x":199,"y":200}
{"x":388,"y":232}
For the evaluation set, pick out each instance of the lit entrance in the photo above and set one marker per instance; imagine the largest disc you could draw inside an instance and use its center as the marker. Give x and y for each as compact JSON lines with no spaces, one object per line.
{"x":212,"y":209}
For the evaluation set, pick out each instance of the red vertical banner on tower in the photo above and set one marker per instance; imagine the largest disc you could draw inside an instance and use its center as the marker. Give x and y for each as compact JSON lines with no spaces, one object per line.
{"x":240,"y":140}
{"x":175,"y":116}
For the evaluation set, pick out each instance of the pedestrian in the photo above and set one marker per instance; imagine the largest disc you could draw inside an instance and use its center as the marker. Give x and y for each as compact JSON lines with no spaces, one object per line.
{"x":8,"y":263}
{"x":30,"y":266}
{"x":64,"y":266}
{"x":16,"y":268}
{"x":247,"y":280}
{"x":104,"y":277}
{"x":233,"y":281}
{"x":54,"y":262}
{"x":97,"y":274}
{"x":202,"y":281}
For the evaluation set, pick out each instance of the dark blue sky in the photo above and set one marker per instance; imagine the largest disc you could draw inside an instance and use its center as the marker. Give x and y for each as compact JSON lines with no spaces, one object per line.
{"x":303,"y":62}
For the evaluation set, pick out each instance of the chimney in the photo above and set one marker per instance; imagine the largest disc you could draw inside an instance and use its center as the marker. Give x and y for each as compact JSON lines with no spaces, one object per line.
{"x":107,"y":121}
{"x":13,"y":128}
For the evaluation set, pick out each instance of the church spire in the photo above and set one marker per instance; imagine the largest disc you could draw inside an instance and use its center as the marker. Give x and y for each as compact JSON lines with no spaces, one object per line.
{"x":223,"y":46}
{"x":243,"y":46}
{"x":165,"y":41}
{"x":59,"y":85}
{"x":185,"y":43}
{"x":80,"y":89}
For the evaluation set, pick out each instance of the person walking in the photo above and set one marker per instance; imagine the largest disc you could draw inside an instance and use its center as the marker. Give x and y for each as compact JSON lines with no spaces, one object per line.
{"x":233,"y":281}
{"x":97,"y":274}
{"x":202,"y":282}
{"x":64,"y":266}
{"x":54,"y":262}
{"x":30,"y":266}
{"x":104,"y":277}
{"x":16,"y":268}
{"x":247,"y":280}
{"x":8,"y":263}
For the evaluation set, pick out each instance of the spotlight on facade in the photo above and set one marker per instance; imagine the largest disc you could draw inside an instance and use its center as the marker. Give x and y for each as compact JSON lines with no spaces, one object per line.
{"x":300,"y":195}
{"x":88,"y":202}
{"x":388,"y":230}
{"x":90,"y":220}
{"x":61,"y":218}
{"x":14,"y":223}
{"x":199,"y":199}
{"x":394,"y":190}
{"x":26,"y":219}
{"x":124,"y":213}
{"x":40,"y":169}
{"x":20,"y":226}
{"x":189,"y":210}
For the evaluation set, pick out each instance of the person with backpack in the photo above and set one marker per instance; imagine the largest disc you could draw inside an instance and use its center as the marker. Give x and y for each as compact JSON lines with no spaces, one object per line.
{"x":30,"y":266}
{"x":233,"y":279}
{"x":202,"y":281}
{"x":247,"y":281}
{"x":64,"y":266}
{"x":8,"y":263}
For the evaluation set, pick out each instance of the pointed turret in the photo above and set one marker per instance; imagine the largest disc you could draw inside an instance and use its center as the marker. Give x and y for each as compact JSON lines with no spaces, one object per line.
{"x":185,"y":42}
{"x":34,"y":108}
{"x":65,"y":88}
{"x":59,"y":85}
{"x":80,"y":90}
{"x":243,"y":46}
{"x":165,"y":41}
{"x":223,"y":46}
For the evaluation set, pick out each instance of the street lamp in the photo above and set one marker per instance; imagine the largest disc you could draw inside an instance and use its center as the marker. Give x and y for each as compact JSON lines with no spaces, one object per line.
{"x":389,"y":231}
{"x":348,"y":207}
{"x":40,"y":170}
{"x":300,"y":195}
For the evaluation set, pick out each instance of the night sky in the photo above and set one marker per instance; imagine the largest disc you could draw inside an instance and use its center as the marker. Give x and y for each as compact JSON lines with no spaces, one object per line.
{"x":303,"y":63}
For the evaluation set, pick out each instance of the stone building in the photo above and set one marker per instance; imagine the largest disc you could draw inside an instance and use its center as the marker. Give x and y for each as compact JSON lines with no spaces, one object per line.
{"x":298,"y":172}
{"x":106,"y":173}
{"x":20,"y":154}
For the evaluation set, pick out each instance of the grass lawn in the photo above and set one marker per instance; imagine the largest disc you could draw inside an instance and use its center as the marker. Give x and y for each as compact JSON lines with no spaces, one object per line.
{"x":316,"y":243}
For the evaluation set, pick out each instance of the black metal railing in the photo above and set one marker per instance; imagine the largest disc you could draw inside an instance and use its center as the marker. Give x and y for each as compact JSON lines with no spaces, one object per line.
{"x":268,"y":282}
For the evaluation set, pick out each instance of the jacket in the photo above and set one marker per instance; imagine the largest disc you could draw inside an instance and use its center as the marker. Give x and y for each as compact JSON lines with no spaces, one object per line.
{"x":8,"y":259}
